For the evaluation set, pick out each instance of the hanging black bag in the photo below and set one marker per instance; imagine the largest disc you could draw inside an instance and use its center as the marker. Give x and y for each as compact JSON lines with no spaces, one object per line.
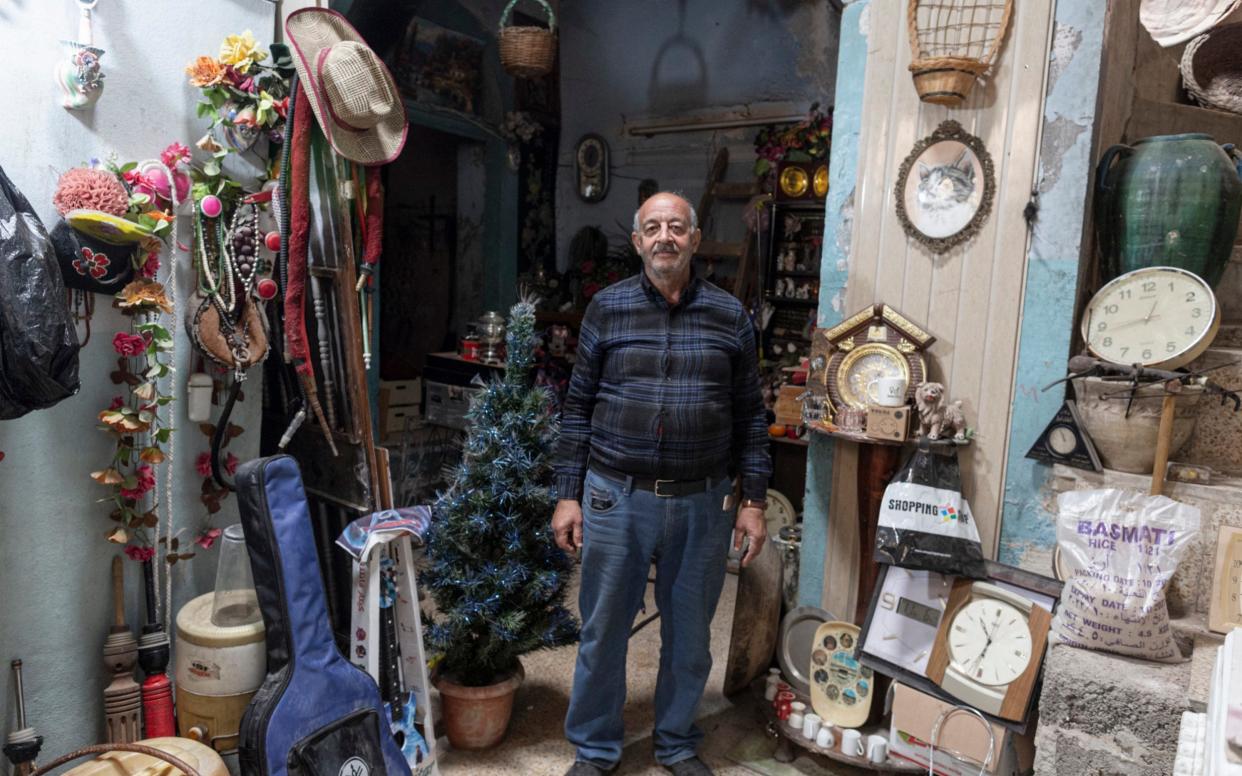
{"x":38,"y":343}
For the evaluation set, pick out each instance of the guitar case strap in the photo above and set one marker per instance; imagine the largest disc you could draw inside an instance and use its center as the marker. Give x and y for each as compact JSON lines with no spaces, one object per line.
{"x":316,"y":714}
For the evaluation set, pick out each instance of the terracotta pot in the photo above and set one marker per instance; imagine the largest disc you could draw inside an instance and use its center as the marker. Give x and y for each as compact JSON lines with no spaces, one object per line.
{"x":477,"y":717}
{"x":1129,"y":444}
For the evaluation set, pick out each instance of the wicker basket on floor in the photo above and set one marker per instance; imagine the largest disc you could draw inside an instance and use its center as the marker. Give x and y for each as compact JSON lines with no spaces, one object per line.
{"x":952,"y":44}
{"x":527,"y":52}
{"x":1212,"y":68}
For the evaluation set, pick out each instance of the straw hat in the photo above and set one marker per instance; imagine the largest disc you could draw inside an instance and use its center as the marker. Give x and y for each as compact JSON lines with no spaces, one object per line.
{"x":351,"y":92}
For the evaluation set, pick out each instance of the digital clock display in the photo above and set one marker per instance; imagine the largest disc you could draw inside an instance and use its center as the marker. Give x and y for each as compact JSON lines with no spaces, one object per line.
{"x":919,"y":612}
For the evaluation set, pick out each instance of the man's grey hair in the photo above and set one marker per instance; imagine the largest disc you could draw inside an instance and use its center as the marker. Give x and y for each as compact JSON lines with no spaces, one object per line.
{"x":694,"y":216}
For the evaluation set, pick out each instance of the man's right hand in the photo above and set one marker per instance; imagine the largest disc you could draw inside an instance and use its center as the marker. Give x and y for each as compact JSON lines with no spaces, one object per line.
{"x":567,"y":525}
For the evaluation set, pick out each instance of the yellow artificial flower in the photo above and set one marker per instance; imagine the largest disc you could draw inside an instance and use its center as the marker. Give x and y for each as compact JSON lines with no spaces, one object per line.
{"x":241,"y":51}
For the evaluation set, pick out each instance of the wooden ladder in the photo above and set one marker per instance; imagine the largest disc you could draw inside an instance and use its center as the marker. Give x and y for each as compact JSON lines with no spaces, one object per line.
{"x":716,"y":188}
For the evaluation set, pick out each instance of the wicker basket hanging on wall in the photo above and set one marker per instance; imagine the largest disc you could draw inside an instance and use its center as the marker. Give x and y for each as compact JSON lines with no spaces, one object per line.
{"x":1212,"y":68}
{"x":527,"y":52}
{"x":953,"y":43}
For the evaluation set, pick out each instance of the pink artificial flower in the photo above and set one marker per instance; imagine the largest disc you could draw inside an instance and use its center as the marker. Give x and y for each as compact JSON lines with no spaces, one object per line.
{"x":174,"y":153}
{"x":140,"y":554}
{"x":230,"y":464}
{"x":202,"y":464}
{"x":281,"y":107}
{"x":151,"y":265}
{"x":208,"y":538}
{"x":129,"y":344}
{"x":117,"y":403}
{"x":146,"y":481}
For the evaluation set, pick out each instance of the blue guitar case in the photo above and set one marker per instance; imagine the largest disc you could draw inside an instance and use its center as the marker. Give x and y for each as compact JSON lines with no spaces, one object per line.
{"x":316,"y":714}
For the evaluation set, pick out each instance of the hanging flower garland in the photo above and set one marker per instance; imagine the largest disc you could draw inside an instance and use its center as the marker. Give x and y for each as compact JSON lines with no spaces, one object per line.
{"x":246,"y":90}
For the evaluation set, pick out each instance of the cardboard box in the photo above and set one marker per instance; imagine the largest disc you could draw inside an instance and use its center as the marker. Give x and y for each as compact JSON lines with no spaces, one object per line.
{"x":787,"y":407}
{"x":914,"y":714}
{"x":403,"y":392}
{"x":447,"y":404}
{"x":393,"y":423}
{"x":890,"y":423}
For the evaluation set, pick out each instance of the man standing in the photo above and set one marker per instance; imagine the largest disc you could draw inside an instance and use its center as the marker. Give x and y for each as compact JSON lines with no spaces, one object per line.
{"x":663,"y":411}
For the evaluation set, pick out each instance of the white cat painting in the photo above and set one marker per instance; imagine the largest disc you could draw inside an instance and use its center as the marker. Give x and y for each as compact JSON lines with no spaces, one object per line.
{"x":943,"y":194}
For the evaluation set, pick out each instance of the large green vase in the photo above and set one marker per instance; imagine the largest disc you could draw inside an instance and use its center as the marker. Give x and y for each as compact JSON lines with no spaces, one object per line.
{"x":1169,"y":200}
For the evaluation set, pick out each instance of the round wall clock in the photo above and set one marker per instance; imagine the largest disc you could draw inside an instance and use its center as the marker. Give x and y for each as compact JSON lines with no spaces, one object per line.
{"x":866,"y":363}
{"x":1156,"y":316}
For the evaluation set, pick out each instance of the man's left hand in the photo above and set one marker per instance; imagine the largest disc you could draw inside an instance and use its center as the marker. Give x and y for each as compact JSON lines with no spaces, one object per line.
{"x":750,"y":523}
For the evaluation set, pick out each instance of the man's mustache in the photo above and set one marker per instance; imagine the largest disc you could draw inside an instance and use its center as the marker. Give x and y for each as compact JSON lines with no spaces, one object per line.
{"x":664,"y":247}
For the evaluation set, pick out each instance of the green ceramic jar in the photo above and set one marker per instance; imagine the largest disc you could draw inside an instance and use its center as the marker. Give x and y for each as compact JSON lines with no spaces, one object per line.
{"x":1169,"y":200}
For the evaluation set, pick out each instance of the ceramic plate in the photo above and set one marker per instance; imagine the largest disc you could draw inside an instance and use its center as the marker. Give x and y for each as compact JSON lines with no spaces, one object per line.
{"x":107,"y":227}
{"x":841,"y":687}
{"x":1171,"y":22}
{"x":793,"y":651}
{"x":780,"y":512}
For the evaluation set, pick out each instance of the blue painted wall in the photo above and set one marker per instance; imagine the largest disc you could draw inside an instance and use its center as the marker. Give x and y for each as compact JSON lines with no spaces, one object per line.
{"x":834,"y":275}
{"x":1027,"y":529}
{"x":55,"y":598}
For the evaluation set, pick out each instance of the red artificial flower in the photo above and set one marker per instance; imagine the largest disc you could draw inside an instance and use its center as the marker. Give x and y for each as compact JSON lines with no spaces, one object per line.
{"x":230,"y":464}
{"x":590,"y":290}
{"x":202,"y":464}
{"x":174,"y":153}
{"x":588,"y":267}
{"x":146,"y":481}
{"x":117,"y":403}
{"x":129,"y":344}
{"x":281,"y":107}
{"x":613,"y":277}
{"x":208,"y":538}
{"x":151,"y":265}
{"x":140,"y":554}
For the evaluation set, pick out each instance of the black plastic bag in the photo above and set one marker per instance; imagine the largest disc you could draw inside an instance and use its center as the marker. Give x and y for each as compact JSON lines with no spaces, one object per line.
{"x":925,"y":522}
{"x":38,"y":342}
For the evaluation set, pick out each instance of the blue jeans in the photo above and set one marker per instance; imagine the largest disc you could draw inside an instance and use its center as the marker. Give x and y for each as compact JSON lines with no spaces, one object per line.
{"x":624,"y":531}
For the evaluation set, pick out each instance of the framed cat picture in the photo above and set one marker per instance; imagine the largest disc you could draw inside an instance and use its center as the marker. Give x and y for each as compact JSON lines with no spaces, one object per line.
{"x":945,"y":188}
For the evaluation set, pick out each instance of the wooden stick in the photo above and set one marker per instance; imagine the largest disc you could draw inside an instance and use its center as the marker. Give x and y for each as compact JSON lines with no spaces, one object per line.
{"x":1164,"y":437}
{"x":118,"y":595}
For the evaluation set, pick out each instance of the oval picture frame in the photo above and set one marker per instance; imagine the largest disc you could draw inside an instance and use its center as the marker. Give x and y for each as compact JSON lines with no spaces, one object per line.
{"x":945,"y":188}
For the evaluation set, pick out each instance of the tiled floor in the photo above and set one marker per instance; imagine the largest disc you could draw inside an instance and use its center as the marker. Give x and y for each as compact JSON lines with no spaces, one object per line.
{"x":536,"y":746}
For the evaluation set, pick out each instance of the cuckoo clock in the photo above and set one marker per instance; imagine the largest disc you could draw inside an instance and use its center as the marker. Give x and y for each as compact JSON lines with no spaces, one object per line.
{"x":875,"y":343}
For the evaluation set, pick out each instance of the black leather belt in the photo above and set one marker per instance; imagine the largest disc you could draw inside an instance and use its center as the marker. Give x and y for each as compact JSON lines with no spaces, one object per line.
{"x":661,"y":487}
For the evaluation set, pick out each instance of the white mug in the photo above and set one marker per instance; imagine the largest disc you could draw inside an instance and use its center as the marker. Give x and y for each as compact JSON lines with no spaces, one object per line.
{"x":852,"y":743}
{"x":810,"y":726}
{"x":796,"y":715}
{"x":877,"y":749}
{"x":825,"y":739}
{"x":887,"y":391}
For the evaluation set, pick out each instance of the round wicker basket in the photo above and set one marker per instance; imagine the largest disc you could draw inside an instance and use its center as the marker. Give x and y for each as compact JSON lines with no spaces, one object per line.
{"x":1212,"y":69}
{"x":946,"y":80}
{"x":527,"y":52}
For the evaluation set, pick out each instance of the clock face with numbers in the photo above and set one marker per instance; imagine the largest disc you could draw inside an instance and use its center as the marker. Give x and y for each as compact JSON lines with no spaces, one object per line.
{"x":989,"y":641}
{"x":1156,"y":316}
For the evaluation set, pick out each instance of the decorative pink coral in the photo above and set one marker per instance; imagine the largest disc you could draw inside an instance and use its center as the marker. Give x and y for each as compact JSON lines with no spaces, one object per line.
{"x":84,"y":187}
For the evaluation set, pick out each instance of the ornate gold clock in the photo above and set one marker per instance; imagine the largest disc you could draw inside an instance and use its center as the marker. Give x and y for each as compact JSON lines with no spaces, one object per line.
{"x":874,"y":343}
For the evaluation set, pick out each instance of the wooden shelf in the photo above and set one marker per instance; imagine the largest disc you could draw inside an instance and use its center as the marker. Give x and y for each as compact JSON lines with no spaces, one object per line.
{"x":569,"y":318}
{"x":785,"y":274}
{"x":785,"y":440}
{"x":784,"y":734}
{"x":856,"y":436}
{"x":790,"y":300}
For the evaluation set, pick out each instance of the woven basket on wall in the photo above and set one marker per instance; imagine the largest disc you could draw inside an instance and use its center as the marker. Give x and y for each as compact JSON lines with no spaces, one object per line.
{"x":1212,"y":68}
{"x":952,"y":43}
{"x":527,"y":52}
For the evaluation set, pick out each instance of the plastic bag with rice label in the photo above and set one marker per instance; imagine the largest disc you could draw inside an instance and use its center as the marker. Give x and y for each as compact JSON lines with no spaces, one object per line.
{"x":1120,"y":548}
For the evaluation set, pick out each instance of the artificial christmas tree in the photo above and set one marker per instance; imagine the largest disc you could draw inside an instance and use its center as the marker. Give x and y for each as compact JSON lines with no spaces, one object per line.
{"x":496,"y":575}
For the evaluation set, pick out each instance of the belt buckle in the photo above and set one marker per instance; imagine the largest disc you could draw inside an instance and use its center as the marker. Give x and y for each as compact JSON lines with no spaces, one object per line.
{"x":657,"y":489}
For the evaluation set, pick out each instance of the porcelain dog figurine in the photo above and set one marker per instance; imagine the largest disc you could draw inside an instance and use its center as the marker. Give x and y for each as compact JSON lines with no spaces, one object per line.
{"x":936,"y":419}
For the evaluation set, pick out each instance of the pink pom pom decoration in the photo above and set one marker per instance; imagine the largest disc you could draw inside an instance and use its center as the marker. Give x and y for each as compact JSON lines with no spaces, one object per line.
{"x":90,"y":189}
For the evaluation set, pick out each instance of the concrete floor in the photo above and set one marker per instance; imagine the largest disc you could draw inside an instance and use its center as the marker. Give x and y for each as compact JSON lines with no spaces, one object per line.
{"x":536,"y":746}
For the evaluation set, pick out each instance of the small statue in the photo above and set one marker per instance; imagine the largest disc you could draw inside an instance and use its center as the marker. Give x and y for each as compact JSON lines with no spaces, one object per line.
{"x":935,"y":418}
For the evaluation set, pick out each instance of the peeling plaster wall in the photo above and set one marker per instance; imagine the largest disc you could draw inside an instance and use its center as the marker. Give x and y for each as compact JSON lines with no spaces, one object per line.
{"x":1028,"y":533}
{"x":663,"y":60}
{"x":55,"y":592}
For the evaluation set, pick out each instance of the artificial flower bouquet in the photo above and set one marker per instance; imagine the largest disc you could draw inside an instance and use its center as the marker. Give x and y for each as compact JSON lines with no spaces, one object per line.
{"x":246,"y":90}
{"x":806,"y":141}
